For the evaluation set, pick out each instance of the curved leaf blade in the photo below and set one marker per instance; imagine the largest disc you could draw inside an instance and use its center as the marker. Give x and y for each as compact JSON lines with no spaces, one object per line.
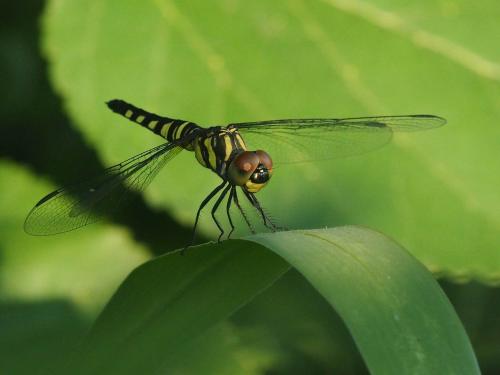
{"x":398,"y":316}
{"x":400,"y":319}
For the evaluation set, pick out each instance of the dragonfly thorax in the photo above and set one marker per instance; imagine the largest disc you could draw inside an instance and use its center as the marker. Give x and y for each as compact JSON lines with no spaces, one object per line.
{"x":223,"y":150}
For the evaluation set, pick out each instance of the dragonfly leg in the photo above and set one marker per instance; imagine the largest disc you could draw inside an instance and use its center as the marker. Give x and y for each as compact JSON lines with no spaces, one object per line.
{"x":203,"y":204}
{"x":265,"y":218}
{"x":228,"y":206}
{"x":242,"y":212}
{"x":214,"y":210}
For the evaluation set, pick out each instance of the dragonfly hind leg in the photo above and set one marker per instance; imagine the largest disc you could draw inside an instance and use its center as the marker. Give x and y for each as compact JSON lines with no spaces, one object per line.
{"x":214,"y":210}
{"x":228,"y":212}
{"x":202,"y":205}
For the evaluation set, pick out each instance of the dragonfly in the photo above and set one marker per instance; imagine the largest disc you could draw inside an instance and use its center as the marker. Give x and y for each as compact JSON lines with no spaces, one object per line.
{"x":237,"y":153}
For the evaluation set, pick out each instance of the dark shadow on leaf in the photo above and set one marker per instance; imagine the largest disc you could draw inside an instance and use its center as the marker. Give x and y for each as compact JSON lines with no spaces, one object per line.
{"x":36,"y":133}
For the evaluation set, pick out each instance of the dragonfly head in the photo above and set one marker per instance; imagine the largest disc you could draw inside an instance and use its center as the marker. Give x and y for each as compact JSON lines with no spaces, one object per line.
{"x":251,"y":169}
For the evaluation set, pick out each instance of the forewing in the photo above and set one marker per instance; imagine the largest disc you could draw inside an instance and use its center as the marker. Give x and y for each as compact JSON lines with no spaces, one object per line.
{"x":73,"y":207}
{"x":302,"y":140}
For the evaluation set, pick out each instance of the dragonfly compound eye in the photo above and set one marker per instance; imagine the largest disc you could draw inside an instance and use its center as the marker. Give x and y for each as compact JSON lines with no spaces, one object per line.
{"x":261,"y":175}
{"x":242,"y":167}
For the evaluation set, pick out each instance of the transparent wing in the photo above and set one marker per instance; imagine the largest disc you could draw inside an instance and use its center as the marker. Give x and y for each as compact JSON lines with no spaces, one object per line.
{"x":302,"y":140}
{"x":73,"y":207}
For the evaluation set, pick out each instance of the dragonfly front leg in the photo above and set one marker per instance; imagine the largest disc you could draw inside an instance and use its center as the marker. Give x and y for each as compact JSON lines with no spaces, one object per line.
{"x":265,"y":218}
{"x":242,"y":212}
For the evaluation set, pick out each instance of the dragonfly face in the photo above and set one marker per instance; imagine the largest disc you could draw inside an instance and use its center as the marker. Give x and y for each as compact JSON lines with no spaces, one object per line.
{"x":251,"y":169}
{"x":222,"y":150}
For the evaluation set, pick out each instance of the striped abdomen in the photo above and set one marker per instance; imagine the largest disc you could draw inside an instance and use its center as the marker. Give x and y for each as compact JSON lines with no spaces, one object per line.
{"x":170,"y":129}
{"x":215,"y":148}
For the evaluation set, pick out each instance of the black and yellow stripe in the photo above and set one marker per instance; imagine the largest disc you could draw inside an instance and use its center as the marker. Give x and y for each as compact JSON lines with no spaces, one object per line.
{"x":170,"y":129}
{"x":216,"y":148}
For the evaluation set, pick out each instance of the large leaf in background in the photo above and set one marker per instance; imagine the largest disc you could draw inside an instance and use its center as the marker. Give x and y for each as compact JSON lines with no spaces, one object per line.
{"x":398,"y":316}
{"x":225,"y":61}
{"x":51,"y":288}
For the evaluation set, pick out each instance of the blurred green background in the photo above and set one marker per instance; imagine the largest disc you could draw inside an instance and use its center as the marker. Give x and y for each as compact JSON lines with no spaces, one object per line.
{"x":228,"y":61}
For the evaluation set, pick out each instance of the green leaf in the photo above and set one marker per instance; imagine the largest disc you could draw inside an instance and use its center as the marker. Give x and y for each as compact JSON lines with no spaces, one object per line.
{"x":84,"y":266}
{"x":228,"y":61}
{"x":36,"y":335}
{"x":170,"y":301}
{"x":400,"y":319}
{"x":221,"y":351}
